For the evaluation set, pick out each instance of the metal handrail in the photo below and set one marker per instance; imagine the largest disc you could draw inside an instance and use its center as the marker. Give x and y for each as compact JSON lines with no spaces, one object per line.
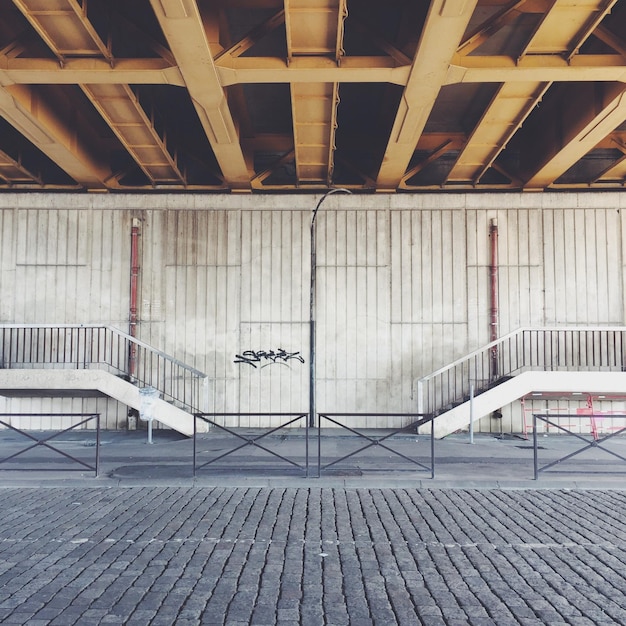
{"x":114,"y":330}
{"x":85,"y":346}
{"x":576,"y":348}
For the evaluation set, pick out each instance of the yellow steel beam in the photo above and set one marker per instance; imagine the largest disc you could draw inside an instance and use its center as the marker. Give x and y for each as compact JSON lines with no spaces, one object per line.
{"x":232,"y":71}
{"x":314,"y":27}
{"x":69,"y":144}
{"x":569,"y":131}
{"x":64,"y":26}
{"x":504,"y":115}
{"x":537,"y":68}
{"x":184,"y":31}
{"x":14,"y":172}
{"x":610,"y":39}
{"x":311,"y":69}
{"x":25,"y":71}
{"x":256,"y":34}
{"x":566,"y":26}
{"x":503,"y":17}
{"x":136,"y":130}
{"x":445,"y":24}
{"x":561,"y":31}
{"x":314,"y":113}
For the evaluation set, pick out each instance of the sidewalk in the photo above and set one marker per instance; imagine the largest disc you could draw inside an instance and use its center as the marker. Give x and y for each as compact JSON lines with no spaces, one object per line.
{"x":126,"y":458}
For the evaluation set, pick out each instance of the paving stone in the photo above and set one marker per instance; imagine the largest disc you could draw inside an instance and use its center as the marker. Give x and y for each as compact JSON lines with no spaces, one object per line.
{"x":305,"y":556}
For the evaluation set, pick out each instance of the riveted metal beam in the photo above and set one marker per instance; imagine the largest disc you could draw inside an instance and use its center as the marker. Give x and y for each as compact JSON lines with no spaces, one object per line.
{"x":536,"y":68}
{"x":65,"y":27}
{"x":445,"y":24}
{"x":136,"y":129}
{"x":71,"y":145}
{"x":511,"y":105}
{"x":14,"y":172}
{"x":269,"y":70}
{"x":184,"y":30}
{"x":523,"y":52}
{"x":37,"y":71}
{"x":314,"y":27}
{"x":311,"y":69}
{"x":570,"y":129}
{"x":566,"y":26}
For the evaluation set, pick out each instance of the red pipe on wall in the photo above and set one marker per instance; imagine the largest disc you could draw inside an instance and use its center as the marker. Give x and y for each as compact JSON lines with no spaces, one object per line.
{"x":133,"y":314}
{"x":494,"y":311}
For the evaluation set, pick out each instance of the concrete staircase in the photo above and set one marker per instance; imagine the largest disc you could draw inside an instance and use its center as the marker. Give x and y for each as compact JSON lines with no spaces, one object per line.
{"x":54,"y":382}
{"x":552,"y":360}
{"x":91,"y":359}
{"x":528,"y":382}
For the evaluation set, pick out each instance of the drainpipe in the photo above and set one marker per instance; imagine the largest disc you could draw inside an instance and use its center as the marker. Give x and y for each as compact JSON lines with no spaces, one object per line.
{"x":493,"y":276}
{"x":134,"y":276}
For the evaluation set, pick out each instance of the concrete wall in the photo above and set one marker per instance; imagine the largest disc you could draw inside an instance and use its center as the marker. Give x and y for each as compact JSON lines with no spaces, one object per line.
{"x":402,"y":282}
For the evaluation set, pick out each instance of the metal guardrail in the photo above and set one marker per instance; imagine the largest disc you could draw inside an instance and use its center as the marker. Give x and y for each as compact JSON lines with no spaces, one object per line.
{"x":253,"y":440}
{"x":377,"y":441}
{"x":313,"y":465}
{"x":45,"y":441}
{"x":86,"y":346}
{"x":549,"y":349}
{"x":590,"y":442}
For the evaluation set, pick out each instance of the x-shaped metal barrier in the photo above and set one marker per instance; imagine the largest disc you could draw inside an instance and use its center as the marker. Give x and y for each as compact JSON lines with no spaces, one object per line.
{"x":44,"y":442}
{"x":313,"y":465}
{"x":382,"y":441}
{"x":593,"y":443}
{"x":253,"y":439}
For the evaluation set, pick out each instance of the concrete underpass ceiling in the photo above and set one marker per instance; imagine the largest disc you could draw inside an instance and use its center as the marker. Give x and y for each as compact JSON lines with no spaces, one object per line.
{"x":309,"y":95}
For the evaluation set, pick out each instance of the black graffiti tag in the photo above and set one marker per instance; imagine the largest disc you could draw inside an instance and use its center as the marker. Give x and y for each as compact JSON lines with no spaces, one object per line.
{"x":269,"y":357}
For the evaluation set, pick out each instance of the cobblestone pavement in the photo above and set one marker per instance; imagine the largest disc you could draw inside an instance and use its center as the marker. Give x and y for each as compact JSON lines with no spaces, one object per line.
{"x":189,"y":555}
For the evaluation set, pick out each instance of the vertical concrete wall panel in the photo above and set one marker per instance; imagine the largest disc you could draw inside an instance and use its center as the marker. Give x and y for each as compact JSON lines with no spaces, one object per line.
{"x":62,"y":265}
{"x":224,"y":284}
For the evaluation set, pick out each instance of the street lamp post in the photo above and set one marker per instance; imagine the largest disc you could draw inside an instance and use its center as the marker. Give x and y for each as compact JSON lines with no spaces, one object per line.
{"x":312,"y":304}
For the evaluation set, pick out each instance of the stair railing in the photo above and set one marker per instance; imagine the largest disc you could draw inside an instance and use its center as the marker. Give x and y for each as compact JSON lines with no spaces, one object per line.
{"x":89,"y":346}
{"x":597,"y":348}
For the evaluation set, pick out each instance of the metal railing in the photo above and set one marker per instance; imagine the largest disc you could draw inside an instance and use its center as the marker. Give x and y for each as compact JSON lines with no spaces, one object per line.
{"x":372,"y":440}
{"x":44,"y":442}
{"x":384,"y":448}
{"x":588,"y":443}
{"x":91,"y":346}
{"x":244,"y":439}
{"x":547,"y":349}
